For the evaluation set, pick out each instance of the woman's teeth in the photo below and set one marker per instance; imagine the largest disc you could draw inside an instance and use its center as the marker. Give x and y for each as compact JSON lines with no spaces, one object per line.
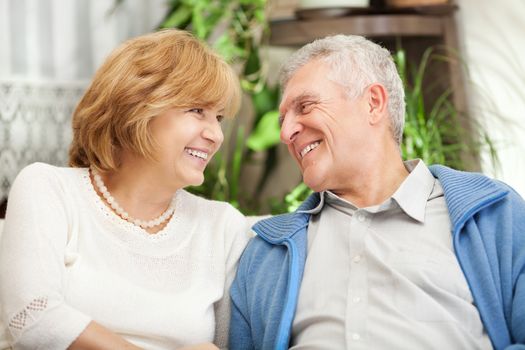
{"x":196,"y":153}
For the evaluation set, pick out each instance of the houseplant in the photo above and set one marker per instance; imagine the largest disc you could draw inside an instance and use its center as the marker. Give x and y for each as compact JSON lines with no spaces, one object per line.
{"x":432,"y":131}
{"x":239,"y":31}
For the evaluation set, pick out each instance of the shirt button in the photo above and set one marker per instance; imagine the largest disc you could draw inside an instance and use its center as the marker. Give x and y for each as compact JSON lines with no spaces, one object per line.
{"x":357,"y":259}
{"x":356,"y":300}
{"x":361,"y":217}
{"x":356,"y":336}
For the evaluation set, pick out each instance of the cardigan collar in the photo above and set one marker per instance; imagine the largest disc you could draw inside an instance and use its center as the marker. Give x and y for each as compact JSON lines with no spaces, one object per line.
{"x":465,"y":194}
{"x":280,"y":227}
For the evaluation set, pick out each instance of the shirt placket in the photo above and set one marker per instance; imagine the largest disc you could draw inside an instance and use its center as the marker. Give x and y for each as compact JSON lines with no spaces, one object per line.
{"x":357,"y":295}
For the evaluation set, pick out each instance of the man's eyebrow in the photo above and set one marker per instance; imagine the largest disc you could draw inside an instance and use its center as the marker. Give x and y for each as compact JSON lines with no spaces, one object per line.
{"x":306,"y":95}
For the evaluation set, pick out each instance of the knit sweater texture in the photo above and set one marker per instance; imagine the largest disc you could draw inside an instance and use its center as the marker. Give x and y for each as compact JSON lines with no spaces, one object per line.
{"x":488,"y":232}
{"x":67,"y":259}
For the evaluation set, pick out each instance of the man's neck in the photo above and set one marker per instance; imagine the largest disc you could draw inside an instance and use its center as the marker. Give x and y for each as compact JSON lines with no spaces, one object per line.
{"x":375,"y":182}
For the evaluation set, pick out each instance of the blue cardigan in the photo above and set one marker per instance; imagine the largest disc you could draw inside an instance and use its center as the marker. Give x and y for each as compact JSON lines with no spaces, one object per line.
{"x":488,"y":229}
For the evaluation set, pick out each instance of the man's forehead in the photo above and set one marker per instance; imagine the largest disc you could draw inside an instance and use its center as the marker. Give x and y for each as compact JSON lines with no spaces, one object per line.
{"x":312,"y":70}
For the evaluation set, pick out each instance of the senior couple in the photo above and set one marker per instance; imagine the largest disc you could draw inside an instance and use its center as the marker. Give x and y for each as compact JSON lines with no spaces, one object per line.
{"x":113,"y":253}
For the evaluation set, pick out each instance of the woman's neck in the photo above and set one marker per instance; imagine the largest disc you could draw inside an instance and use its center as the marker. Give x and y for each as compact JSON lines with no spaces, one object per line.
{"x":139,"y":191}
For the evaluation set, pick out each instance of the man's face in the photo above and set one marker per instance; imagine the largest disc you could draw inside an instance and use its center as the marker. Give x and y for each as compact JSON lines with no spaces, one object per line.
{"x":326,"y":133}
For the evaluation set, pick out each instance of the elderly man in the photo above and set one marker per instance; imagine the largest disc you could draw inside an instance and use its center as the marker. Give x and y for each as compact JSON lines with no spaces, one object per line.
{"x":385,"y":254}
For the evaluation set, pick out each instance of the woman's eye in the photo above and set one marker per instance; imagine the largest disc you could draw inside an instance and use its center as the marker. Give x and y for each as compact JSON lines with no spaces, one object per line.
{"x":220,"y":118}
{"x":197,"y":110}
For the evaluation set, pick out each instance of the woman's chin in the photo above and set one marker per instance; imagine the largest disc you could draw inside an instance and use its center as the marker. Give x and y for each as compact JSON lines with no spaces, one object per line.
{"x":197,"y":181}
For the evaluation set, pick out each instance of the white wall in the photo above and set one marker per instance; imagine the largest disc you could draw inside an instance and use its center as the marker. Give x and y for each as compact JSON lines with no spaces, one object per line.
{"x":493,"y":39}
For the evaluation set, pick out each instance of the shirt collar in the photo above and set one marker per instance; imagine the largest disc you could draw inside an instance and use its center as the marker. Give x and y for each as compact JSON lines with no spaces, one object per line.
{"x":411,"y":196}
{"x":317,"y":208}
{"x":413,"y":193}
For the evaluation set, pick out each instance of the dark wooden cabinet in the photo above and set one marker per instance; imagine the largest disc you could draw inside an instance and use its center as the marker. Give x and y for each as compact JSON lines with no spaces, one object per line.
{"x":415,"y":29}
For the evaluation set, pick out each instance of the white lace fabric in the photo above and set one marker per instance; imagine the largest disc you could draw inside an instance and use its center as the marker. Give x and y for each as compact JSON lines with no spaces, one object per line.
{"x":36,"y":117}
{"x":30,"y":312}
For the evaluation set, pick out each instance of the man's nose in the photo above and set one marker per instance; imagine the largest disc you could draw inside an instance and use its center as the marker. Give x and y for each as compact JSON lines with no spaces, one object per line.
{"x":290,"y":129}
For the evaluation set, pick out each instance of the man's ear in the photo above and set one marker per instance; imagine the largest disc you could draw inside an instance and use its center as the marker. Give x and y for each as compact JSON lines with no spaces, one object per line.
{"x":377,"y":99}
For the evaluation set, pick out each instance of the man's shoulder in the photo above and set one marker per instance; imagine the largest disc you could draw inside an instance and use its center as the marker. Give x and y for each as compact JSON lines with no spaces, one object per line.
{"x":264,"y":258}
{"x":454,"y":180}
{"x":278,"y":228}
{"x":274,"y":232}
{"x":468,"y":193}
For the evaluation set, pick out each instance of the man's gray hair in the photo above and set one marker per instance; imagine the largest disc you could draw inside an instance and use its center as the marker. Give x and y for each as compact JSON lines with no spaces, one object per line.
{"x":355,"y":62}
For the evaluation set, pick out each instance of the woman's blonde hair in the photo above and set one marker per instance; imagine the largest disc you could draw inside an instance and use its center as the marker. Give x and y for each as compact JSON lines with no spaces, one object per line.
{"x":141,"y":79}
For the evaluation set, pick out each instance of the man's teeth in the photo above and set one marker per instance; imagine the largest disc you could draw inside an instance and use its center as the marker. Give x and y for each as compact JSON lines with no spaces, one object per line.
{"x":196,"y":153}
{"x":309,"y":148}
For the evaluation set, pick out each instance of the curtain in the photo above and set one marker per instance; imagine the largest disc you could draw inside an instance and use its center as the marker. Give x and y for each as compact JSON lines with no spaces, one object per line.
{"x":49,"y":49}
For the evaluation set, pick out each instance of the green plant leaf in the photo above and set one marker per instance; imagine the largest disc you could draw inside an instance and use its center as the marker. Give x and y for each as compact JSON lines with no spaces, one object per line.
{"x":265,"y":100}
{"x":266,"y":133}
{"x":236,"y":162}
{"x":253,"y":63}
{"x":227,"y":48}
{"x":199,"y":22}
{"x":178,"y":17}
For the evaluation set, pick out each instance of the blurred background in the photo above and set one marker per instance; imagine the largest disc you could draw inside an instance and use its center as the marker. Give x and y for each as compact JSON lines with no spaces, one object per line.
{"x":461,"y":62}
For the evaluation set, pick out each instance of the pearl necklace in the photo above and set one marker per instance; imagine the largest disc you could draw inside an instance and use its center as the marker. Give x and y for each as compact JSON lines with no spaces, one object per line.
{"x":123,"y":214}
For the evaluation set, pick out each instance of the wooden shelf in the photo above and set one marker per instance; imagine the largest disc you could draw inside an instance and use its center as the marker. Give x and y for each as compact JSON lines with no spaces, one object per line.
{"x":418,"y":27}
{"x":294,"y":32}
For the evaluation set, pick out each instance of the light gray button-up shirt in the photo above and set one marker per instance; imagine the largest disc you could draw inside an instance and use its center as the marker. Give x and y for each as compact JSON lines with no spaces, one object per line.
{"x":386,"y":276}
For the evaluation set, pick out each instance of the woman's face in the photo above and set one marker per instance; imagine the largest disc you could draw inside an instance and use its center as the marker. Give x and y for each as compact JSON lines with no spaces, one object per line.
{"x":187,"y":139}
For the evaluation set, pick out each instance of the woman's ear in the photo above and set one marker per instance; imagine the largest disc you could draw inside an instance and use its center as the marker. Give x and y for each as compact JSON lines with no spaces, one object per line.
{"x":377,"y":102}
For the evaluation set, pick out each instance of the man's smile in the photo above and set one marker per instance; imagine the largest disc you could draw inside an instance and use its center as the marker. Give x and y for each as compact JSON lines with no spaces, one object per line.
{"x":308,"y":148}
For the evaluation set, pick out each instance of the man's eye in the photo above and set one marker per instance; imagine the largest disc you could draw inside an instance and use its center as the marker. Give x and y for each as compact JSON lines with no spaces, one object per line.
{"x":281,"y":120}
{"x":220,"y":118}
{"x":306,"y":107}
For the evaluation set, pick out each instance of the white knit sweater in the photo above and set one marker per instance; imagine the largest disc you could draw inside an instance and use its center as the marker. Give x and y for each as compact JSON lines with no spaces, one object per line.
{"x":66,"y":259}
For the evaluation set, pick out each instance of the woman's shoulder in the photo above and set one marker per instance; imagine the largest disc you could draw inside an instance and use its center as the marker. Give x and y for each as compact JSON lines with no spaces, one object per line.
{"x":37,"y":169}
{"x":208,"y":207}
{"x":39,"y":174}
{"x":222,"y":219}
{"x":44,"y":169}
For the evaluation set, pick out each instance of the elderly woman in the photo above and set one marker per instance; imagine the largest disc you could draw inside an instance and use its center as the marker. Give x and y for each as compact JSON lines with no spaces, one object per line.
{"x":112,"y":252}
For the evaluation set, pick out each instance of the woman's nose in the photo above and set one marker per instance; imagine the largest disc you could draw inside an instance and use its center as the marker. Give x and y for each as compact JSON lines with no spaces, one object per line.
{"x":213,"y":132}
